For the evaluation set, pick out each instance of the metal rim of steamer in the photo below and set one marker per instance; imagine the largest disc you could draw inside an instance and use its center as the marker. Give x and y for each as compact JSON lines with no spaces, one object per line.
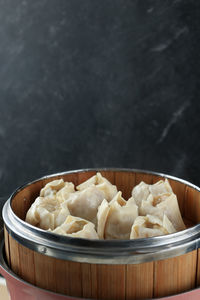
{"x":101,"y":251}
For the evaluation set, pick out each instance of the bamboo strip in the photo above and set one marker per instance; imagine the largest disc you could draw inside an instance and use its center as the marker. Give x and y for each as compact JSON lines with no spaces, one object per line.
{"x":14,"y":256}
{"x":175,"y":275}
{"x":26,"y":264}
{"x":192,"y":205}
{"x":45,"y":275}
{"x":139,"y":284}
{"x":111,"y":282}
{"x":7,"y":245}
{"x":147,"y":178}
{"x":179,"y":190}
{"x":125,"y":181}
{"x":198,"y":269}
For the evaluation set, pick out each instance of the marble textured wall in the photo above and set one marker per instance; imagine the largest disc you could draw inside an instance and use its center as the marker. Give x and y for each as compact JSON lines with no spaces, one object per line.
{"x":98,"y":84}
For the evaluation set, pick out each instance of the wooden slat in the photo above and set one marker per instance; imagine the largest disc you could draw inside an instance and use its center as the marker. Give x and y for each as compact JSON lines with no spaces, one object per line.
{"x":75,"y":282}
{"x":125,"y":181}
{"x":45,"y":275}
{"x":27,"y":264}
{"x":108,"y":175}
{"x":7,"y":246}
{"x":139,"y":281}
{"x":86,"y":277}
{"x":198,"y":269}
{"x":83,"y":176}
{"x":111,"y":281}
{"x":62,"y":277}
{"x":179,"y":190}
{"x":14,"y":256}
{"x":175,"y":275}
{"x":94,"y":282}
{"x":147,"y":178}
{"x":192,"y":205}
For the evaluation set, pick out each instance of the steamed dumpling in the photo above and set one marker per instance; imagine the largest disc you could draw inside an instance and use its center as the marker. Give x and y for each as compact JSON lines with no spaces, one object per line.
{"x":85,"y":203}
{"x":77,"y":227}
{"x":120,"y":218}
{"x":143,"y":190}
{"x":158,"y":199}
{"x":140,"y":192}
{"x":149,"y":226}
{"x":47,"y":212}
{"x":160,"y":187}
{"x":101,"y":183}
{"x":64,"y":193}
{"x":164,"y":204}
{"x":51,"y":188}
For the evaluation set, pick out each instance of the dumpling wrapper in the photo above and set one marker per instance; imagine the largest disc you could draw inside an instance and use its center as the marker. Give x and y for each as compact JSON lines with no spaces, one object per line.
{"x":102,"y":215}
{"x":64,"y":193}
{"x":149,"y":226}
{"x":158,"y":199}
{"x":77,"y":227}
{"x":141,"y":191}
{"x":85,"y":203}
{"x":100,"y":183}
{"x":51,"y":188}
{"x":160,"y":187}
{"x":164,"y":204}
{"x":47,"y":213}
{"x":120,"y":218}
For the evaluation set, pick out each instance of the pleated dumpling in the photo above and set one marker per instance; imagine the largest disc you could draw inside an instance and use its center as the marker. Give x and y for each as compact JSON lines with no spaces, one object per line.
{"x":85,"y":203}
{"x":64,"y":193}
{"x":120,"y":217}
{"x":160,"y":187}
{"x":101,"y":184}
{"x":141,"y":191}
{"x":163,"y":204}
{"x":47,"y":213}
{"x":158,"y":199}
{"x":149,"y":226}
{"x":77,"y":227}
{"x":51,"y":188}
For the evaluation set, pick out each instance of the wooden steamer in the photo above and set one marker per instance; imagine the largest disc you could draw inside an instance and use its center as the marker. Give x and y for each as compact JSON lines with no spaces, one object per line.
{"x":136,"y":269}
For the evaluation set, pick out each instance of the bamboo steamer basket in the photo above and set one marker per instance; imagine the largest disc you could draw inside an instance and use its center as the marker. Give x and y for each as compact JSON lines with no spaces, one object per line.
{"x":98,"y":269}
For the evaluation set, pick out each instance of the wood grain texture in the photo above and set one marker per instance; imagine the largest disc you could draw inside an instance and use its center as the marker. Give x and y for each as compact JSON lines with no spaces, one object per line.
{"x":175,"y":275}
{"x":147,"y":178}
{"x":111,"y":281}
{"x":14,"y":256}
{"x":27,"y":263}
{"x":198,"y":268}
{"x":45,"y":275}
{"x":83,"y":176}
{"x":7,"y":246}
{"x":179,"y":190}
{"x":139,"y":281}
{"x":192,"y":204}
{"x":125,"y":181}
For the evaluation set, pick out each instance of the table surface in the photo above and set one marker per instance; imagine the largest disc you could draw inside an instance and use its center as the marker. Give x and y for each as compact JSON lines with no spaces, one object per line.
{"x":3,"y":290}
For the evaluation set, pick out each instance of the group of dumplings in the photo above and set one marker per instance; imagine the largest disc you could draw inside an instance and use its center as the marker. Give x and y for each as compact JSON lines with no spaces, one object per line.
{"x":97,"y":210}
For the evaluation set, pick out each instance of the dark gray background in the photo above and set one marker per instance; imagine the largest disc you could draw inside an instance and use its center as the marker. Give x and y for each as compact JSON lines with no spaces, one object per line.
{"x":98,"y":84}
